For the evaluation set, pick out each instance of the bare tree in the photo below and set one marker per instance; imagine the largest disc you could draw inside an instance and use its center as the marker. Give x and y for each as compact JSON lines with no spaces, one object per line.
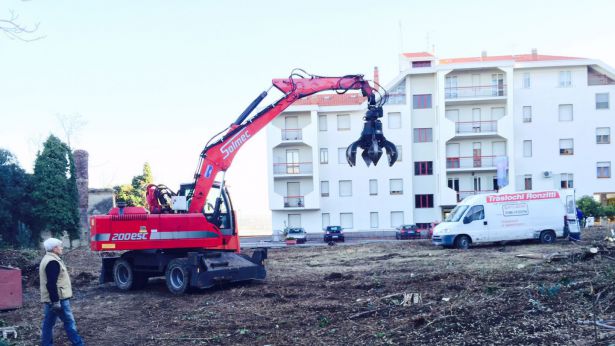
{"x":71,"y":124}
{"x":15,"y":31}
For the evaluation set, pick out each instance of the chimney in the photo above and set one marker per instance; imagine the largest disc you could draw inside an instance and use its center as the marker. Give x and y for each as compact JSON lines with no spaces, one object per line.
{"x":376,"y":77}
{"x":483,"y":54}
{"x":534,"y":53}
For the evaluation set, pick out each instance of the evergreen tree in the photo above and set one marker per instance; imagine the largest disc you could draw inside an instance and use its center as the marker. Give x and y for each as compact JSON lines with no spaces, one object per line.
{"x":54,"y":191}
{"x":134,"y":194}
{"x":15,"y":211}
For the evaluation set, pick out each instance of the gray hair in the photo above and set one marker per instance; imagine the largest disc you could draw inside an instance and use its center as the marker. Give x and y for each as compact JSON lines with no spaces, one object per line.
{"x":50,"y":243}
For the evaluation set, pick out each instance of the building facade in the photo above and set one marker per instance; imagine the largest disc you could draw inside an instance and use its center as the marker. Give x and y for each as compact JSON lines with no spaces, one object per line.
{"x":462,"y":126}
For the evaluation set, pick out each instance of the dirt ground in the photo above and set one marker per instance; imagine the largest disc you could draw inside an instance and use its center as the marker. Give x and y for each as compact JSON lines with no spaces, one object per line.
{"x":397,"y":292}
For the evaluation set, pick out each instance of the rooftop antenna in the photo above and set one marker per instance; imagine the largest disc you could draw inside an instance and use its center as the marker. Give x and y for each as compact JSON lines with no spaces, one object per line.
{"x":401,"y":38}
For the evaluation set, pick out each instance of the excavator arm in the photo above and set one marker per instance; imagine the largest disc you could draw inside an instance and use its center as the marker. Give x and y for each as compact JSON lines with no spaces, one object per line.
{"x":218,"y":156}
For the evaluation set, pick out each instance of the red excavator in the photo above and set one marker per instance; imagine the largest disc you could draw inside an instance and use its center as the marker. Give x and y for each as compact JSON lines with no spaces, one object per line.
{"x":191,"y":236}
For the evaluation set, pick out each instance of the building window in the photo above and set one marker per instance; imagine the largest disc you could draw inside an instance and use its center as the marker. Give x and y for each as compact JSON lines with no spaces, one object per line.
{"x":527,"y":148}
{"x":397,"y":218}
{"x":396,"y":186}
{"x":324,"y":156}
{"x":527,"y":114}
{"x":566,"y":181}
{"x":326,"y":220}
{"x":527,"y":181}
{"x":341,"y":156}
{"x":397,"y":94}
{"x":373,"y":220}
{"x":422,"y":135}
{"x":566,"y":146}
{"x":602,"y":101}
{"x":565,"y":112}
{"x":526,"y":80}
{"x":373,"y":187}
{"x":423,"y":168}
{"x":423,"y":201}
{"x":603,"y":135}
{"x":324,"y":188}
{"x":343,"y":122}
{"x":565,"y":79}
{"x":294,"y":220}
{"x":421,"y":64}
{"x":603,"y":169}
{"x":322,"y":122}
{"x":421,"y":101}
{"x":394,"y":120}
{"x":399,"y":153}
{"x":345,"y":188}
{"x":346,"y":220}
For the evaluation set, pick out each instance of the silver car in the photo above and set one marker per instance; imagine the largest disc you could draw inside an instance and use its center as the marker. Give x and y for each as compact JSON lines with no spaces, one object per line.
{"x":297,"y":233}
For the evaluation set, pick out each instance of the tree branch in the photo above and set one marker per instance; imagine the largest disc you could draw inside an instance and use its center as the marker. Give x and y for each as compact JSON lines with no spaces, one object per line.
{"x":15,"y":31}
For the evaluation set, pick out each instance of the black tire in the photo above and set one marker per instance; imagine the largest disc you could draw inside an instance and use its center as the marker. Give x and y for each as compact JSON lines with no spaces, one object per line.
{"x":177,"y":276}
{"x":462,"y":242}
{"x":547,"y":237}
{"x":124,"y":276}
{"x":397,"y":236}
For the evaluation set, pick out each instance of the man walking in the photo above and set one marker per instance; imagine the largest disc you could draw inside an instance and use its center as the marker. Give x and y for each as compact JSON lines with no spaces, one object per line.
{"x":55,"y":294}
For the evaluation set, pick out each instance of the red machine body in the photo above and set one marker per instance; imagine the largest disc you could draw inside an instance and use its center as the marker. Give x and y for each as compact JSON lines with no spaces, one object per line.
{"x":205,"y":224}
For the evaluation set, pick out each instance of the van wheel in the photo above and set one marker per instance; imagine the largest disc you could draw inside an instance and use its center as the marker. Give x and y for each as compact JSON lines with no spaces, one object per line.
{"x":547,"y":237}
{"x":462,"y":242}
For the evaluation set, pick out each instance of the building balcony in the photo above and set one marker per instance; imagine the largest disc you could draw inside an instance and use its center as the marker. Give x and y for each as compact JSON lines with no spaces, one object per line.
{"x":471,"y":163}
{"x":293,"y":169}
{"x":463,"y":194}
{"x":294,"y":202}
{"x":292,"y":135}
{"x":476,"y":127}
{"x":475,"y":93}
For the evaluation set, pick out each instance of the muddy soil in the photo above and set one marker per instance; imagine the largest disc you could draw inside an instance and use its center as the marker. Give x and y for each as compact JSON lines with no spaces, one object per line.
{"x":397,"y":292}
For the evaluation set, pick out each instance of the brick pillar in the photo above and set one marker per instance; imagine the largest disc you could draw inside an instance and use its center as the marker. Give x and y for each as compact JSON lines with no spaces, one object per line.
{"x":81,"y":166}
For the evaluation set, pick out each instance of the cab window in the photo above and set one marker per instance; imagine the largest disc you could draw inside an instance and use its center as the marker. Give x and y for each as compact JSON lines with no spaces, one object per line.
{"x":477,"y":212}
{"x":226,"y":225}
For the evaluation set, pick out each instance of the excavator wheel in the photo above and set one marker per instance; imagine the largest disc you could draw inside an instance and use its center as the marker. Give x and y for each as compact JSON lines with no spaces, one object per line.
{"x":178,"y":276}
{"x":126,"y":278}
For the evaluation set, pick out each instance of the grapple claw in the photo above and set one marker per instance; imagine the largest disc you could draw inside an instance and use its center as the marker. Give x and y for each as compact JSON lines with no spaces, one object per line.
{"x":372,"y":140}
{"x":351,"y":153}
{"x":391,"y":151}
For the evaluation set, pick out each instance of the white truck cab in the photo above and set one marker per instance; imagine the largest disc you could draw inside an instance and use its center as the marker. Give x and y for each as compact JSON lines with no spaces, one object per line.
{"x":542,"y":215}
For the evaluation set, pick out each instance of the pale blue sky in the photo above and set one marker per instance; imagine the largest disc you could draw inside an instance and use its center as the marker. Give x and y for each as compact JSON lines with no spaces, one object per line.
{"x":155,"y":79}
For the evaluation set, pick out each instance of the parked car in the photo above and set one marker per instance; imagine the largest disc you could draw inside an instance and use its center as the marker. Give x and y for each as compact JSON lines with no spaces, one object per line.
{"x":407,"y":232}
{"x":334,"y":233}
{"x":297,"y":233}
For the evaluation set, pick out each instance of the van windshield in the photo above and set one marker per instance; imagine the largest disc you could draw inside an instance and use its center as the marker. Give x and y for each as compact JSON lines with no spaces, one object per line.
{"x":456,"y":213}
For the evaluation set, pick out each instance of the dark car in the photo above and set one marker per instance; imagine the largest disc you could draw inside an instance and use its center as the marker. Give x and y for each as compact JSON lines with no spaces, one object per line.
{"x":407,"y":232}
{"x":334,"y":233}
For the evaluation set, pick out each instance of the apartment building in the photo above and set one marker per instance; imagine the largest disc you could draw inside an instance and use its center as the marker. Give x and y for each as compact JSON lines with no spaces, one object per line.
{"x":462,"y":126}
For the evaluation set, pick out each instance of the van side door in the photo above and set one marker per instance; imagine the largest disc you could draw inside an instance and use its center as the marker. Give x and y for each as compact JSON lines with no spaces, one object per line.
{"x":476,"y":224}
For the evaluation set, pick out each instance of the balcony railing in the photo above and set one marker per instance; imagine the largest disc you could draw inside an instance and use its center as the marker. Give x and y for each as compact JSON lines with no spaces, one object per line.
{"x":292,"y":134}
{"x":463,"y":194}
{"x":470,"y":162}
{"x":294,"y":202}
{"x":475,"y":91}
{"x":292,"y":168}
{"x":476,"y":126}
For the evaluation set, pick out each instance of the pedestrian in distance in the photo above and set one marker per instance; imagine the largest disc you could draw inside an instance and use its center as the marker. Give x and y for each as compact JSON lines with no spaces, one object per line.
{"x":56,"y":292}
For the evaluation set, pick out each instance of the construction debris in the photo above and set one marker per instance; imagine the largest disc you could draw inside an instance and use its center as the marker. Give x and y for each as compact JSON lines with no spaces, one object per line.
{"x":370,"y":294}
{"x":7,"y":331}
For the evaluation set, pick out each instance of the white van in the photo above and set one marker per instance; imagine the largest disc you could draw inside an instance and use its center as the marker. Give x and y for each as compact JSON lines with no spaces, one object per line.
{"x":542,"y":215}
